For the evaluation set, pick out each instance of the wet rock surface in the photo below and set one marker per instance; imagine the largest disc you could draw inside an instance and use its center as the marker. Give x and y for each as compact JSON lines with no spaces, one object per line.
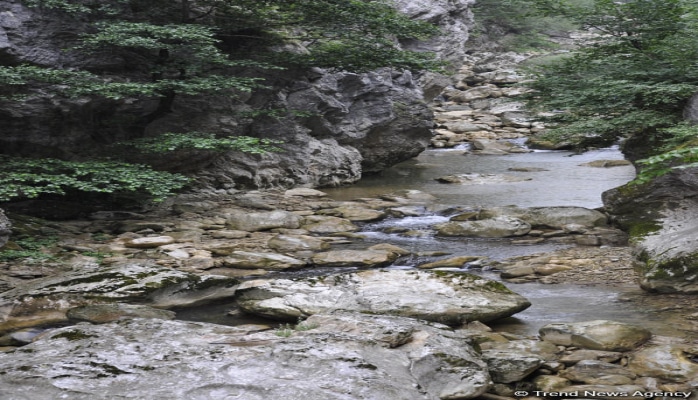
{"x":445,"y":297}
{"x":334,"y":357}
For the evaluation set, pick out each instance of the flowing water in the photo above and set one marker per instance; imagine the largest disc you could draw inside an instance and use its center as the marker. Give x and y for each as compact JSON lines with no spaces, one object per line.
{"x":557,"y":178}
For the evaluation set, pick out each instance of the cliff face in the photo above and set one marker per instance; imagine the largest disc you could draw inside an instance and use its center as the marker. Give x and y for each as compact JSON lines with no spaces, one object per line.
{"x":350,"y":123}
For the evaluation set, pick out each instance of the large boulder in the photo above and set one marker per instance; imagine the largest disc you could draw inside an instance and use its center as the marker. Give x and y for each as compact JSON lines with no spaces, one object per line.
{"x":596,"y":335}
{"x":338,"y":357}
{"x":496,"y":227}
{"x":252,"y":222}
{"x":446,"y":297}
{"x":671,"y":362}
{"x":660,"y":219}
{"x":46,"y":300}
{"x":550,"y":217}
{"x":354,"y":258}
{"x":259,"y":260}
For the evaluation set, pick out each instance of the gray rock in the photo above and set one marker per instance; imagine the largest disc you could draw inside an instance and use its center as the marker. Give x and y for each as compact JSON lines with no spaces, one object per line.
{"x":103,"y":313}
{"x":674,"y":363}
{"x":660,"y":217}
{"x":304,"y":192}
{"x":507,"y":366}
{"x":491,"y":228}
{"x":446,"y":297}
{"x":5,"y":228}
{"x":605,"y":391}
{"x":253,"y":222}
{"x":343,"y":357}
{"x":258,"y":260}
{"x":293,"y":243}
{"x":359,"y":214}
{"x":494,"y":147}
{"x":326,"y":224}
{"x":149,"y":242}
{"x":596,"y":335}
{"x":47,"y":299}
{"x":550,"y":217}
{"x":596,"y":372}
{"x":354,"y":258}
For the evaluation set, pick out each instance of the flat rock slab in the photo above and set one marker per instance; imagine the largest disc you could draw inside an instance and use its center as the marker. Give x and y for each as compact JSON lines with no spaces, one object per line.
{"x":336,"y":357}
{"x":46,"y":300}
{"x":354,"y":258}
{"x":550,"y":217}
{"x":447,"y":297}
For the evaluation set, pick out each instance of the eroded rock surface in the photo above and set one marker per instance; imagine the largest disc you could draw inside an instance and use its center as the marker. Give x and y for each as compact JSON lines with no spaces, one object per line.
{"x":446,"y":297}
{"x":346,"y":356}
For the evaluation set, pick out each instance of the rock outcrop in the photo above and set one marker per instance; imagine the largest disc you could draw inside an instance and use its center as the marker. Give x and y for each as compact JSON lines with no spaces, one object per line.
{"x":446,"y":297}
{"x":340,"y":356}
{"x":350,"y":124}
{"x":660,"y":217}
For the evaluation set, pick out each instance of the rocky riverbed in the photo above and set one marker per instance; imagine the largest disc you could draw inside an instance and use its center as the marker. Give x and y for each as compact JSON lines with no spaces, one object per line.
{"x":348,"y":326}
{"x":339,"y":314}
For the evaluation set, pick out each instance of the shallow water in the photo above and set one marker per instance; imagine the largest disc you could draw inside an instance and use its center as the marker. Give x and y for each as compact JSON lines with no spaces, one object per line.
{"x":563,"y":183}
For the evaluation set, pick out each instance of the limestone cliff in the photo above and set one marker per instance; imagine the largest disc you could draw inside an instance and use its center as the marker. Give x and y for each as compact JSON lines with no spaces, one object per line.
{"x":349,"y":124}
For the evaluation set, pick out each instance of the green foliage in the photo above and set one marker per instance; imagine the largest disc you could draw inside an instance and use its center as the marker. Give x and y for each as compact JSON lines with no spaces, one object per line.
{"x":633,"y":78}
{"x":31,"y":249}
{"x":202,"y":141}
{"x":29,"y":178}
{"x":192,"y":48}
{"x":663,"y":163}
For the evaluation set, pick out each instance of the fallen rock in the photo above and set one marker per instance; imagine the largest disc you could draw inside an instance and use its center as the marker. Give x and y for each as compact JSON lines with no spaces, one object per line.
{"x":258,"y":260}
{"x":358,"y":214}
{"x":490,"y":228}
{"x":253,"y":222}
{"x":293,"y":243}
{"x":327,"y":224}
{"x":446,"y":297}
{"x":598,"y":372}
{"x":507,"y":366}
{"x":354,"y":258}
{"x":673,"y":362}
{"x":149,"y":242}
{"x":549,"y":217}
{"x":496,"y":147}
{"x":596,"y":335}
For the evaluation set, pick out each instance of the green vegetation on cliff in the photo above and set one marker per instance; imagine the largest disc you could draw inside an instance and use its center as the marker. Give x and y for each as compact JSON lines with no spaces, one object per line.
{"x":190,"y":48}
{"x":632,"y":79}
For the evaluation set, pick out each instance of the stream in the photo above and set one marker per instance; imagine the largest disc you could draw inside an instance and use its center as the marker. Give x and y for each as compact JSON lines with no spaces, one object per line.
{"x":557,"y":178}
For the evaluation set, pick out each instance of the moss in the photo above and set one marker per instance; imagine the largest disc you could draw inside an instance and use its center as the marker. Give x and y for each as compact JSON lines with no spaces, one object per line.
{"x":73,"y":335}
{"x":641,"y":229}
{"x":109,"y":370}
